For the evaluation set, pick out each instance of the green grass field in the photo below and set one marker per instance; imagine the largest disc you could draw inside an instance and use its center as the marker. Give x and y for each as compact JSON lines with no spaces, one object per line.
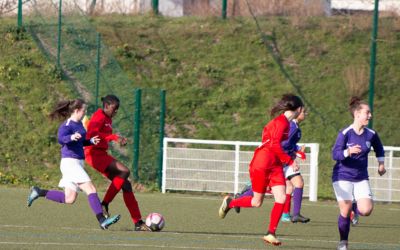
{"x":191,"y":223}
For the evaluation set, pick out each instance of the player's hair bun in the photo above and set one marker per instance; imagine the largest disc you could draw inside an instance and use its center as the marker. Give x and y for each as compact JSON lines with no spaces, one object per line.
{"x":354,"y":100}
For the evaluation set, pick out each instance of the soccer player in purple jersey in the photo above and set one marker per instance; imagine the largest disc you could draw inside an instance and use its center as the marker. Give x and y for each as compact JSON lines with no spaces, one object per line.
{"x":350,"y":173}
{"x":293,"y":178}
{"x":71,"y":136}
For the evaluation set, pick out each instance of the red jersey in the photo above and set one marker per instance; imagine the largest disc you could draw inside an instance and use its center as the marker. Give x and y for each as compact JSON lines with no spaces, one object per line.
{"x":273,"y":134}
{"x":100,"y":124}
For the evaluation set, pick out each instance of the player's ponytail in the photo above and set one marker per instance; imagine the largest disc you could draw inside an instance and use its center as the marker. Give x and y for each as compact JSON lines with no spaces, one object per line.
{"x":287,"y":102}
{"x":355,"y":104}
{"x":64,"y":109}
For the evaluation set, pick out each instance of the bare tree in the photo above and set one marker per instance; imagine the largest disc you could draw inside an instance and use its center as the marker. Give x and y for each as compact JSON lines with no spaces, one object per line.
{"x":6,"y":6}
{"x":92,"y":7}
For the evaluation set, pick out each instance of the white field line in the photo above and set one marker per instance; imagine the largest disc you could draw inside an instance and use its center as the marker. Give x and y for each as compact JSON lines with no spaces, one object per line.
{"x":109,"y":245}
{"x":176,"y":233}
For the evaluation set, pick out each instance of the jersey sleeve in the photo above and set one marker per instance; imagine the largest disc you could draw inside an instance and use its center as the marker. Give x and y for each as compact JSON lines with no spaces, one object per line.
{"x":378,"y":147}
{"x":339,"y":147}
{"x":276,"y":140}
{"x":290,"y":145}
{"x":64,"y":135}
{"x":112,"y":137}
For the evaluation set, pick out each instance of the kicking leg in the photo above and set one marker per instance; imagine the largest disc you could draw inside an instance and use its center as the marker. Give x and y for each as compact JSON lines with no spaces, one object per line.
{"x":95,"y":205}
{"x":117,"y":173}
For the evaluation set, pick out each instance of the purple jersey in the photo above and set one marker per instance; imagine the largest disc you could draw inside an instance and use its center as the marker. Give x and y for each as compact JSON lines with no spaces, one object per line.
{"x":354,"y":167}
{"x":290,"y":145}
{"x":69,"y":148}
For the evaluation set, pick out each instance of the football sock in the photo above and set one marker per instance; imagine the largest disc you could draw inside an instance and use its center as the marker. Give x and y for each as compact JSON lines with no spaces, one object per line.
{"x":276,"y":214}
{"x":42,"y":192}
{"x":241,"y":202}
{"x":355,"y":208}
{"x":95,"y":205}
{"x":113,"y":189}
{"x":133,"y":206}
{"x":286,"y":206}
{"x":56,"y":196}
{"x":297,"y":200}
{"x":344,"y":227}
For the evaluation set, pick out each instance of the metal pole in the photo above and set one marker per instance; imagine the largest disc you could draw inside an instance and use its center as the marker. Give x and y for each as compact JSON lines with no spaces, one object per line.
{"x":224,"y":6}
{"x":373,"y":61}
{"x":154,"y":4}
{"x":162,"y":124}
{"x":19,"y":14}
{"x":136,"y":134}
{"x":59,"y":35}
{"x":98,"y":69}
{"x":237,"y":165}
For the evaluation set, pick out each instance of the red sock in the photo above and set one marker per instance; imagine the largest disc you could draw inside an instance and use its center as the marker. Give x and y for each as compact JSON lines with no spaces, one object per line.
{"x":113,"y":189}
{"x":132,"y":205}
{"x":241,"y":202}
{"x":275,"y":217}
{"x":286,"y":207}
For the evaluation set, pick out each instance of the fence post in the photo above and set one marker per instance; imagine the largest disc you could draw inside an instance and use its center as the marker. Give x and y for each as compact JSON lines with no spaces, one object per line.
{"x":162,"y":124}
{"x":313,"y":192}
{"x":98,"y":69}
{"x":373,"y":61}
{"x":59,"y":35}
{"x":390,"y":175}
{"x":19,"y":22}
{"x":237,"y":162}
{"x":224,"y":6}
{"x":136,"y":134}
{"x":154,"y":4}
{"x":164,"y":165}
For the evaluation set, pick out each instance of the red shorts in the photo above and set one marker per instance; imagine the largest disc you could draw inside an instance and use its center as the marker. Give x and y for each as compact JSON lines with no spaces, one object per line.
{"x":98,"y":159}
{"x":265,"y":171}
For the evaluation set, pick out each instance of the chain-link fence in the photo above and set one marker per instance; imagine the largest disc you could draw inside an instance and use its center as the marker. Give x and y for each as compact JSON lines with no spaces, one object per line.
{"x":65,"y":35}
{"x":318,"y":49}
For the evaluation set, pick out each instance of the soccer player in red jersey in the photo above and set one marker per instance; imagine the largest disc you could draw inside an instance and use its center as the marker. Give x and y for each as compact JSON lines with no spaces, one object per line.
{"x":266,"y":167}
{"x":97,"y":157}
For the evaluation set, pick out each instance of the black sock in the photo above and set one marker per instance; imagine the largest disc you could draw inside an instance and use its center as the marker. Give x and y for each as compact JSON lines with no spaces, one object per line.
{"x":42,"y":192}
{"x":100,"y":217}
{"x":140,"y":222}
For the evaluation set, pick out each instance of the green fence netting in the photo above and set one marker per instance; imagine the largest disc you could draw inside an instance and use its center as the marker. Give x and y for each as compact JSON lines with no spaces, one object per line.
{"x":74,"y":45}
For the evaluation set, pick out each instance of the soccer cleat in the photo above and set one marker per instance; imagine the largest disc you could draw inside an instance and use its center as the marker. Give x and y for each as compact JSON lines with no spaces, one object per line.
{"x":354,"y":218}
{"x":285,"y":217}
{"x":343,"y":245}
{"x":109,"y":221}
{"x":237,"y":209}
{"x":141,"y":226}
{"x":271,"y":239}
{"x":104,"y":206}
{"x":224,"y":209}
{"x":33,"y":195}
{"x":299,"y":218}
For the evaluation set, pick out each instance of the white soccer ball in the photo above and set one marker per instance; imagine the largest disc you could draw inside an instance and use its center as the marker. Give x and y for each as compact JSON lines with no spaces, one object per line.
{"x":155,"y":221}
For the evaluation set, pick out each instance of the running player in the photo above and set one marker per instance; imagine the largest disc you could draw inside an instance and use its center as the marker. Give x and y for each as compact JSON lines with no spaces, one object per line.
{"x":292,"y":178}
{"x":350,"y":173}
{"x":266,"y":167}
{"x":97,"y":157}
{"x":71,"y":136}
